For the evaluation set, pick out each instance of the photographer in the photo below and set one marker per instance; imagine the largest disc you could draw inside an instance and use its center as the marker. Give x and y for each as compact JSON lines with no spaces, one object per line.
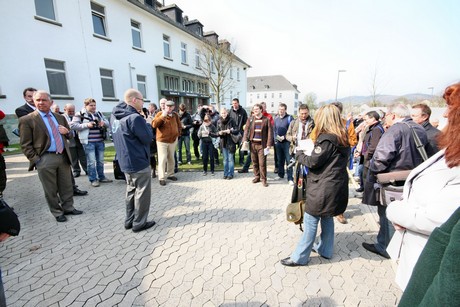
{"x":91,"y":126}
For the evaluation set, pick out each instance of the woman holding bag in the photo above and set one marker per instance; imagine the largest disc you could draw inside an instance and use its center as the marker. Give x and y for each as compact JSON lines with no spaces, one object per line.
{"x":326,"y":187}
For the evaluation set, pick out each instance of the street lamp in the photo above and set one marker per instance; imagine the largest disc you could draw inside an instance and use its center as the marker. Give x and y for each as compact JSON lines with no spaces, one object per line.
{"x":338,"y":78}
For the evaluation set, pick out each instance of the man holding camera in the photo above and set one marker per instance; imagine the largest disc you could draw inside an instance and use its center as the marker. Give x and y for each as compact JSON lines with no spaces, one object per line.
{"x":92,"y":129}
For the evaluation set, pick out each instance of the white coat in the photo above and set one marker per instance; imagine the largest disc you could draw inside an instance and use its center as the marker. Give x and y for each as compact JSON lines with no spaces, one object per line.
{"x":431,"y":194}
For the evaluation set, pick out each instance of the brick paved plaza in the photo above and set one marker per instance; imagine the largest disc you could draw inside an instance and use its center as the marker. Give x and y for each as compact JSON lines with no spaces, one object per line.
{"x":216,"y":243}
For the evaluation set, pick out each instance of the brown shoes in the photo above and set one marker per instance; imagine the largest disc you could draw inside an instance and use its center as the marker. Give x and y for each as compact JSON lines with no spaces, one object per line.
{"x":265,"y":184}
{"x":341,"y":219}
{"x":255,"y":180}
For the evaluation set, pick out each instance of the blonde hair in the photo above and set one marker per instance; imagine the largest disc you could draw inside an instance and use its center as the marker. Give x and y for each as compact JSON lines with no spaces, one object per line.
{"x":328,"y":120}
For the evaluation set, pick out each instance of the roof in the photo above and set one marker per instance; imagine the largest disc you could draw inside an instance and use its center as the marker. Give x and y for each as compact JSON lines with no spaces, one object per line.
{"x":270,"y":83}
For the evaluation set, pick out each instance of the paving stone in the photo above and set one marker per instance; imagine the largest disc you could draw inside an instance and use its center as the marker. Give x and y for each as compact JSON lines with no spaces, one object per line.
{"x":202,"y":252}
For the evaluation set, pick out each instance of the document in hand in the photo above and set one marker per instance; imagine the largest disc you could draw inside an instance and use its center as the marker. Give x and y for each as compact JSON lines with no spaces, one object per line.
{"x":266,"y":151}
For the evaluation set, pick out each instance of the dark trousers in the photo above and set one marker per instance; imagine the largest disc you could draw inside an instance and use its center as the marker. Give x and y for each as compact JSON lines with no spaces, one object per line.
{"x":207,"y":148}
{"x":78,"y":158}
{"x":2,"y":174}
{"x":259,"y":161}
{"x":196,"y":145}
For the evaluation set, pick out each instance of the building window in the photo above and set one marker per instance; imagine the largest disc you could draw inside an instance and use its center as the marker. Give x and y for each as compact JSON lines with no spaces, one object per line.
{"x":281,"y":95}
{"x":273,"y":95}
{"x":238,"y":74}
{"x":257,"y":96}
{"x":231,"y":72}
{"x":183,"y":53}
{"x":212,"y":65}
{"x":273,"y":104}
{"x":296,"y":96}
{"x":231,"y":96}
{"x":197,"y":59}
{"x":238,"y":95}
{"x":166,"y":47}
{"x":55,"y":72}
{"x":136,"y":33}
{"x":108,"y":89}
{"x":142,"y":85}
{"x":265,"y":95}
{"x":45,"y":8}
{"x":171,"y":83}
{"x":98,"y":13}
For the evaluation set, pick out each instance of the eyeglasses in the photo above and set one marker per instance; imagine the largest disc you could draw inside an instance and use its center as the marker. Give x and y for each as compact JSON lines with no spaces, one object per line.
{"x":137,"y":98}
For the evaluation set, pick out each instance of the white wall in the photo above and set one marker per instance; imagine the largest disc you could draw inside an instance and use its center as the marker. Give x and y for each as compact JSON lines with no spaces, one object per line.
{"x":28,"y":41}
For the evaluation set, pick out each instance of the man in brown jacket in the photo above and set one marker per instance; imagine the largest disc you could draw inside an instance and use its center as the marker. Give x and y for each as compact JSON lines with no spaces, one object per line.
{"x":258,"y":130}
{"x":168,"y":128}
{"x":44,"y":142}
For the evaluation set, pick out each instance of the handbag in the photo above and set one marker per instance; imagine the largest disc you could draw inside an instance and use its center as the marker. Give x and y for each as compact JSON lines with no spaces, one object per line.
{"x":9,"y":222}
{"x":391,"y":186}
{"x":216,"y":142}
{"x":117,"y":173}
{"x":236,"y":138}
{"x":294,"y":213}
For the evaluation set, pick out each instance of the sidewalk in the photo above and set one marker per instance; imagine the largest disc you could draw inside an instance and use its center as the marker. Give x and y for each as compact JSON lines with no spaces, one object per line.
{"x":216,"y":243}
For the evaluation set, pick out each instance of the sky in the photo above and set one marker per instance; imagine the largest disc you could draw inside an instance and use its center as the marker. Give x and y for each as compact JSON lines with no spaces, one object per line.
{"x":406,"y":46}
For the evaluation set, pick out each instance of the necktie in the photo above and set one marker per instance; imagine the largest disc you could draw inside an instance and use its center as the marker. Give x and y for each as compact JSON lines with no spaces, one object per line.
{"x":304,"y":133}
{"x":56,"y":135}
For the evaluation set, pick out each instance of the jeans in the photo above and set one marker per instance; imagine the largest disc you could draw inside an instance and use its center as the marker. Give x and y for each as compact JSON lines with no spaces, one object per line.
{"x":248,"y":160}
{"x":325,"y":245}
{"x":229,"y":165}
{"x":95,"y":160}
{"x":2,"y":292}
{"x":185,"y":139}
{"x":208,"y":154}
{"x":284,"y":157}
{"x":386,"y":230}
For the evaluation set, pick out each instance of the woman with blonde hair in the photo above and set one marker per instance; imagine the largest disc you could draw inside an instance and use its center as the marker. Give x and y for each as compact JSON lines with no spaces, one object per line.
{"x":327,"y":185}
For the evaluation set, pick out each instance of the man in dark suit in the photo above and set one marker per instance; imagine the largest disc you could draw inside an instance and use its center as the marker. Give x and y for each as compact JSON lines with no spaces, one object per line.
{"x":44,"y":142}
{"x":29,"y":106}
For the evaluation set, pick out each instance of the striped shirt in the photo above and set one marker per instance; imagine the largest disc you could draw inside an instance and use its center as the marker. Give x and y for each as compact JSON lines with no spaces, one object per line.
{"x":257,"y":131}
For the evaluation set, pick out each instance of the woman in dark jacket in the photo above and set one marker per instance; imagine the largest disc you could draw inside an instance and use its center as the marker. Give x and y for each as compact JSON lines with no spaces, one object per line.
{"x":206,"y":132}
{"x":374,"y":132}
{"x":327,"y":185}
{"x":227,"y":127}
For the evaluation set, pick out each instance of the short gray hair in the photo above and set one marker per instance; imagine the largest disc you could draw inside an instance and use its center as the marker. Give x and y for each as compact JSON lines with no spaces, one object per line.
{"x":399,"y":109}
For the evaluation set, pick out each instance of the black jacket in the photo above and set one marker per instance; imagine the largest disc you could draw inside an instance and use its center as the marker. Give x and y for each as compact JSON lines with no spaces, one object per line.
{"x":186,"y":120}
{"x":239,"y":116}
{"x":327,"y":179}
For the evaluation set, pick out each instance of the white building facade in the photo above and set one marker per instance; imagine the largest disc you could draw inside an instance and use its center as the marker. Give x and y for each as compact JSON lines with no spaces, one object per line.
{"x":273,"y":90}
{"x":77,"y":49}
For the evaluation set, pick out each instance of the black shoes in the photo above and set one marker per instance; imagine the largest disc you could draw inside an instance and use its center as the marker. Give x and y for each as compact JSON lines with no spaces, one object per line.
{"x":360,"y":189}
{"x":229,"y":177}
{"x":78,"y":192}
{"x":163,"y":182}
{"x":288,"y":262}
{"x":172,"y":178}
{"x":76,"y":175}
{"x":73,"y":212}
{"x":128,"y":226}
{"x":372,"y":249}
{"x":275,"y":171}
{"x":243,"y":171}
{"x":61,"y":218}
{"x":145,"y":227}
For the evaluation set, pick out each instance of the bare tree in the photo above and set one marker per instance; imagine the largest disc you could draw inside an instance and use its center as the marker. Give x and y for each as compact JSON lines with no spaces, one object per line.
{"x":375,"y":87}
{"x":216,"y":65}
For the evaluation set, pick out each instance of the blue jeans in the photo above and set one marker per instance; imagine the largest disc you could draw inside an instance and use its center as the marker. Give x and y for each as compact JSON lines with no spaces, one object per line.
{"x":229,"y":165}
{"x":2,"y":292}
{"x":386,"y":230}
{"x":95,"y":160}
{"x":282,"y":151}
{"x":325,"y":245}
{"x":185,"y":139}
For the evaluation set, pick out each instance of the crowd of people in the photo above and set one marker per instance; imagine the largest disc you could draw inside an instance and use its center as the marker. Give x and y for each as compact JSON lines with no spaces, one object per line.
{"x":149,"y":143}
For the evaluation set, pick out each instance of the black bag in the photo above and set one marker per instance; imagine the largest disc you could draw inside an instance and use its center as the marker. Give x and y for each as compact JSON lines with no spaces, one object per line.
{"x":117,"y":173}
{"x":9,"y":222}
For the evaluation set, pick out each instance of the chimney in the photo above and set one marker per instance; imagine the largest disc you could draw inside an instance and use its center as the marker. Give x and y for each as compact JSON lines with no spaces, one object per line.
{"x":225,"y":43}
{"x":211,"y":37}
{"x":173,"y":12}
{"x":195,"y":26}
